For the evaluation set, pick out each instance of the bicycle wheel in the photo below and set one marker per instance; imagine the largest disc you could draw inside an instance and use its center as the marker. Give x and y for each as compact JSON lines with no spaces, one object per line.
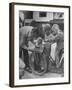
{"x":38,"y":63}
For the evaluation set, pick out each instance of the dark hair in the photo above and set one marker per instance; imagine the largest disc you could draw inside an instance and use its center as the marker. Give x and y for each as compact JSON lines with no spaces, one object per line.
{"x":33,"y":23}
{"x":38,"y":31}
{"x":47,"y":27}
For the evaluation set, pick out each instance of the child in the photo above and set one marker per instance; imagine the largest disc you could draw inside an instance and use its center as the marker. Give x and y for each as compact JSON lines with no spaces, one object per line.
{"x":59,"y":39}
{"x":39,"y":44}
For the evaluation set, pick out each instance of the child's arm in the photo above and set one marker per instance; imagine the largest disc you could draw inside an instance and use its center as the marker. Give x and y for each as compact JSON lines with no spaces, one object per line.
{"x":54,"y":38}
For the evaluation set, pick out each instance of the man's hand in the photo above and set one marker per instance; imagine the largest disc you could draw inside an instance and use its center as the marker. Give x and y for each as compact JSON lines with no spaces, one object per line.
{"x":25,"y":47}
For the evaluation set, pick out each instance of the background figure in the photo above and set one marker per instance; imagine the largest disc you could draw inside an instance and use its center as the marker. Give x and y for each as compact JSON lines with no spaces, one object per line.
{"x":21,"y":63}
{"x":47,"y":30}
{"x":21,"y":19}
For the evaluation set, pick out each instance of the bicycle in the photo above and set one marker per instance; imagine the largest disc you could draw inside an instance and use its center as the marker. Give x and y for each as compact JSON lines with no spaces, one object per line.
{"x":40,"y":59}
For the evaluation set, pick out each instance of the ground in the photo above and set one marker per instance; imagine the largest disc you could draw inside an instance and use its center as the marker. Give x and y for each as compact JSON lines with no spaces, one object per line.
{"x":52,"y":73}
{"x":28,"y":75}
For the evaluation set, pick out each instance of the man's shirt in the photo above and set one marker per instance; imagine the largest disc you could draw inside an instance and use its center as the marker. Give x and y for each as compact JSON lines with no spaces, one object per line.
{"x":25,"y":32}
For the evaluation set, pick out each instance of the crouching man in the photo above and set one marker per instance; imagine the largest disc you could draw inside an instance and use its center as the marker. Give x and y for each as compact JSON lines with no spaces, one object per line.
{"x":23,"y":51}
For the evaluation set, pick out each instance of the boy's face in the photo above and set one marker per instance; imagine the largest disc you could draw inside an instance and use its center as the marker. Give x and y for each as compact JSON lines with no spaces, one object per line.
{"x":47,"y":32}
{"x":39,"y":41}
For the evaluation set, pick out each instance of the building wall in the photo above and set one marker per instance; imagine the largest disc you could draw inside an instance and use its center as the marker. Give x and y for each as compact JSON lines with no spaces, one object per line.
{"x":48,"y":17}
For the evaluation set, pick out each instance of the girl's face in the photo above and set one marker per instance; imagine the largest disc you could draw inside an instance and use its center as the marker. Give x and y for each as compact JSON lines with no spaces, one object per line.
{"x":54,"y":31}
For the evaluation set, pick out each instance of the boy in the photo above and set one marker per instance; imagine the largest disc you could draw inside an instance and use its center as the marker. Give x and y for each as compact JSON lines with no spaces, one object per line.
{"x":59,"y":39}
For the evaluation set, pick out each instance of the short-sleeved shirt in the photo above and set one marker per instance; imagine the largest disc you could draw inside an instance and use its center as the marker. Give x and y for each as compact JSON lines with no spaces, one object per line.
{"x":24,"y":33}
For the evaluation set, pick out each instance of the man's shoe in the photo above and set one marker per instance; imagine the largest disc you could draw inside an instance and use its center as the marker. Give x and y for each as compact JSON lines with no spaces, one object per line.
{"x":28,"y":69}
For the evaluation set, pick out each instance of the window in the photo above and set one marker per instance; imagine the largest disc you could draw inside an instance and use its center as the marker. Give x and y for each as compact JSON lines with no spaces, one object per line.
{"x":42,"y":14}
{"x":29,"y":15}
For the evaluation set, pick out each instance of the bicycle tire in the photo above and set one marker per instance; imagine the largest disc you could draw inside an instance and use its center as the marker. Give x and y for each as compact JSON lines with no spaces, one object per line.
{"x":32,"y":60}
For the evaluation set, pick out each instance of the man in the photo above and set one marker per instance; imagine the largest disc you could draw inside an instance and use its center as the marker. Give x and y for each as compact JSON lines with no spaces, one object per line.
{"x":23,"y":42}
{"x":59,"y":39}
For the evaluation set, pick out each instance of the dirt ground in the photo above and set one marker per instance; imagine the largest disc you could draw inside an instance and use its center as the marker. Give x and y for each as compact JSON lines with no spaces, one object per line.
{"x":28,"y":75}
{"x":52,"y":72}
